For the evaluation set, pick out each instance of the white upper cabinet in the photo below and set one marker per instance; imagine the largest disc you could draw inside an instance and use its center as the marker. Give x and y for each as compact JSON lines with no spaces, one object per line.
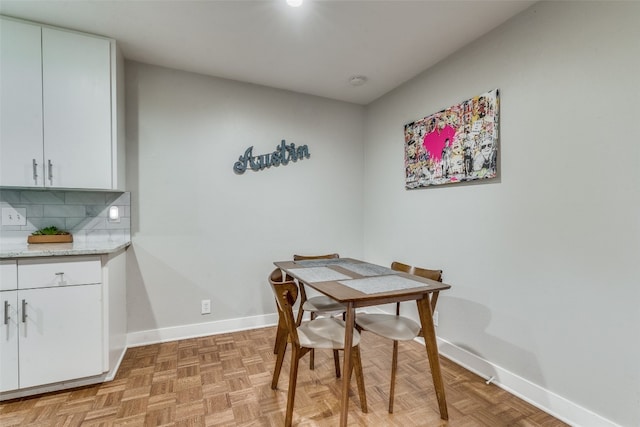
{"x":21,"y":155}
{"x":76,"y":84}
{"x":59,"y":105}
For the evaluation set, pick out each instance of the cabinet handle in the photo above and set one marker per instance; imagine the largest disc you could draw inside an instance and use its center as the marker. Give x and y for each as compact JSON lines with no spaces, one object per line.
{"x":50,"y":171}
{"x":24,"y":311}
{"x":6,"y":312}
{"x":35,"y":171}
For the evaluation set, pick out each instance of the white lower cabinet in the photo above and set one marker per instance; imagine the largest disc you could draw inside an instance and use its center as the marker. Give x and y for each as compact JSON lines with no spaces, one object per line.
{"x":52,"y":327}
{"x":61,"y":336}
{"x":9,"y":341}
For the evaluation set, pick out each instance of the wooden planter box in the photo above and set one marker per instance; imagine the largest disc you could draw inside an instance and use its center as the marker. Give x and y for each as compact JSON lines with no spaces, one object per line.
{"x":51,"y":238}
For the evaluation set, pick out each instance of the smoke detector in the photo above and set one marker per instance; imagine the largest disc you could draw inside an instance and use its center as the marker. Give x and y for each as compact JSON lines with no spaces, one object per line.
{"x":357,"y":80}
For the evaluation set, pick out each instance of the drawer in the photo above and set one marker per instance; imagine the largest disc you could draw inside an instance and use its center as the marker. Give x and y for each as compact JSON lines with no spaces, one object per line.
{"x":8,"y":275}
{"x":58,"y":271}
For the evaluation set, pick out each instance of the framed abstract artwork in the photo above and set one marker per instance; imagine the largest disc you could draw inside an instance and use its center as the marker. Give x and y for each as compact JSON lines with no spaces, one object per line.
{"x":454,"y":145}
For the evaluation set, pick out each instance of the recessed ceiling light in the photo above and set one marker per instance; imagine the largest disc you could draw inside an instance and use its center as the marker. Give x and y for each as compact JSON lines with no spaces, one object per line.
{"x":357,"y":80}
{"x":294,"y":3}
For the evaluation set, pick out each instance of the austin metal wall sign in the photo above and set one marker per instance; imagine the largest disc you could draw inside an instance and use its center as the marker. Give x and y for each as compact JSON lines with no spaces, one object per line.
{"x":284,"y":154}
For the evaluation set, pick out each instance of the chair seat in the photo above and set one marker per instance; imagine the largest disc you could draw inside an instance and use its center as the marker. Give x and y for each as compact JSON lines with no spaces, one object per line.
{"x":397,"y":328}
{"x":323,"y":303}
{"x":324,"y":332}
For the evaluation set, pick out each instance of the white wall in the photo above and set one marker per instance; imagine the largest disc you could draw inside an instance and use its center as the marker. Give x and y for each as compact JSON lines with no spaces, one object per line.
{"x":543,"y":262}
{"x":202,"y":232}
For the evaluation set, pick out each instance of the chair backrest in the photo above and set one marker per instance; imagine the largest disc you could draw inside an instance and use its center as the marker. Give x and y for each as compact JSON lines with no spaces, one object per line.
{"x":306,"y":257}
{"x":285,"y":291}
{"x":422,"y":272}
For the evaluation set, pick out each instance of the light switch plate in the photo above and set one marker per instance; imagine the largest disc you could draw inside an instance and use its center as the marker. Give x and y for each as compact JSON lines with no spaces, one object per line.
{"x":14,"y":216}
{"x":205,"y":306}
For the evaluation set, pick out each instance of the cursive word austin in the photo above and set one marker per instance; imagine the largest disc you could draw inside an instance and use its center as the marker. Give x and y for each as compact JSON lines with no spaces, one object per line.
{"x":283,"y":155}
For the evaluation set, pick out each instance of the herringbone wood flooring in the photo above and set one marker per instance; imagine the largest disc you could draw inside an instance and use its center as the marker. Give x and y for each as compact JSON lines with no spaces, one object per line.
{"x":224,"y":380}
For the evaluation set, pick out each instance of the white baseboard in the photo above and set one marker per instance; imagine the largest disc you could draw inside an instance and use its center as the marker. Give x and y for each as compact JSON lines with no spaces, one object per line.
{"x":546,"y":400}
{"x":154,"y":336}
{"x":540,"y":397}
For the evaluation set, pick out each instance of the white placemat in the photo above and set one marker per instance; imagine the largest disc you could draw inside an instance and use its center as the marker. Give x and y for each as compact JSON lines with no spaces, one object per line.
{"x":317,"y":274}
{"x":366,"y":269}
{"x":378,"y":284}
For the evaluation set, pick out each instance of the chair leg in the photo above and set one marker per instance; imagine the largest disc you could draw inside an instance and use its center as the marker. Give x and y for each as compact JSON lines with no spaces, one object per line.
{"x":336,"y":362}
{"x":300,"y":314}
{"x":434,"y":300}
{"x":312,"y":353}
{"x":394,"y":366}
{"x":293,"y":378}
{"x":276,"y":371}
{"x":281,"y":334}
{"x":357,"y":366}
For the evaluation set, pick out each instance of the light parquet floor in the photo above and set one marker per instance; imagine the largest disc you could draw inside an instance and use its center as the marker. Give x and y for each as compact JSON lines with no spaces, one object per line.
{"x":224,"y":380}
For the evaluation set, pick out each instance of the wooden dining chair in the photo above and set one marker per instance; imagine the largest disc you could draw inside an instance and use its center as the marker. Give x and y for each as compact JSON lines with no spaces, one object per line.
{"x":316,"y":305}
{"x":396,"y":327}
{"x":323,"y":332}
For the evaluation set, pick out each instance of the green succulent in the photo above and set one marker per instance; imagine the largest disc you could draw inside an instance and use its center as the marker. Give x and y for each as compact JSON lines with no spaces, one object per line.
{"x":49,"y":231}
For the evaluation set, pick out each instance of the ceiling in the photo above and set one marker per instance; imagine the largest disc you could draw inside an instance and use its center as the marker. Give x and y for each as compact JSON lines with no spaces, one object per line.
{"x":313,"y":49}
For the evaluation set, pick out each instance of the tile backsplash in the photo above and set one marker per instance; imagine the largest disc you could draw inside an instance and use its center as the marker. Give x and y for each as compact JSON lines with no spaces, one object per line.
{"x":82,"y":213}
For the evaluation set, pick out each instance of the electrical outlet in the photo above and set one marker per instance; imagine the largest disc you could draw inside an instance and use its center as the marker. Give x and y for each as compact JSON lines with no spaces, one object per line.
{"x":14,"y":216}
{"x":435,"y":318}
{"x":205,"y":306}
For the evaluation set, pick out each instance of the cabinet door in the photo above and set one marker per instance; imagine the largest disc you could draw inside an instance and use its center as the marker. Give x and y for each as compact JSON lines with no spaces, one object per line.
{"x":61,"y":338}
{"x":21,"y":152}
{"x":9,"y":340}
{"x":76,"y":76}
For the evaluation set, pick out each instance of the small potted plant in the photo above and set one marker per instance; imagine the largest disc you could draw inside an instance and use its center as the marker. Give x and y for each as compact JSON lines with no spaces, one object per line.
{"x":50,"y":235}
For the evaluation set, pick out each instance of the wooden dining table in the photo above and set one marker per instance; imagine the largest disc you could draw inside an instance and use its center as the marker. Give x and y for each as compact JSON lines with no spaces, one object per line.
{"x":359,"y":284}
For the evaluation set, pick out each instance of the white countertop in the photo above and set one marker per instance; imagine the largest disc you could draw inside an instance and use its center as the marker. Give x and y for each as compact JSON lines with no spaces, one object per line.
{"x":24,"y":250}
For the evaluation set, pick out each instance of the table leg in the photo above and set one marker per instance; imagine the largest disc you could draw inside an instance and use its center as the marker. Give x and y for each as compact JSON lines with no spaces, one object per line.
{"x":346,"y":370}
{"x":429,"y":334}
